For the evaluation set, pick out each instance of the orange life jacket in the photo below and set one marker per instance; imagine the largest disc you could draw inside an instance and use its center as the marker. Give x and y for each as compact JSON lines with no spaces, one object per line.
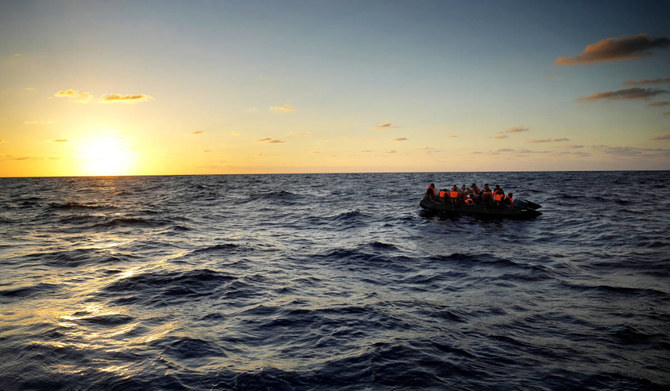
{"x":453,"y":194}
{"x":443,"y":193}
{"x":511,"y":200}
{"x":497,"y":197}
{"x":469,"y":201}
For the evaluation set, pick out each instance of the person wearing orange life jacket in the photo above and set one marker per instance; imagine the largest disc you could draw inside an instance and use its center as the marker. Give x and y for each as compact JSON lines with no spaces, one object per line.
{"x":509,"y":200}
{"x":498,"y":195}
{"x":487,"y":194}
{"x":443,"y":194}
{"x":453,"y":194}
{"x":430,"y":192}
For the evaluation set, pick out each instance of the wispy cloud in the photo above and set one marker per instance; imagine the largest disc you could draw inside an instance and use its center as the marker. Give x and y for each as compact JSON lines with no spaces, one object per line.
{"x":549,"y":140}
{"x":504,"y":133}
{"x":520,"y":151}
{"x":385,"y":125}
{"x":61,"y":140}
{"x":626,"y":93}
{"x":400,"y":139}
{"x":282,"y":108}
{"x":430,"y":150}
{"x":647,"y":81}
{"x":85,"y":97}
{"x":198,"y":132}
{"x":515,"y":129}
{"x":116,"y":98}
{"x":77,"y":96}
{"x":631,"y":151}
{"x":270,"y":141}
{"x":611,"y":49}
{"x":661,"y":138}
{"x":659,"y":104}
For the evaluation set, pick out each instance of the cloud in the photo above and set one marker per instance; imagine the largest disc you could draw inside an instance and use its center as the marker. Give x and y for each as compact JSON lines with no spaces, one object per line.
{"x":77,"y":96}
{"x":515,"y":129}
{"x":282,"y":108}
{"x":269,"y":141}
{"x":659,"y":104}
{"x":385,"y":125}
{"x":2,"y":141}
{"x":116,"y":98}
{"x":661,"y":138}
{"x":430,"y":150}
{"x":631,"y":151}
{"x":392,"y":151}
{"x":400,"y":139}
{"x":549,"y":140}
{"x":198,"y":132}
{"x":235,"y":133}
{"x":522,"y":151}
{"x":647,"y":81}
{"x":61,"y":140}
{"x":626,"y":93}
{"x":611,"y":49}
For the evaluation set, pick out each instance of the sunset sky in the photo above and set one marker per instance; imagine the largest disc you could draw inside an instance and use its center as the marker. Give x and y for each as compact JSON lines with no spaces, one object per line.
{"x":218,"y":87}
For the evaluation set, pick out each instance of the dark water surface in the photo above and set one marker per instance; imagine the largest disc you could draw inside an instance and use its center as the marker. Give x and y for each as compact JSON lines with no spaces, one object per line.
{"x":333,"y":282}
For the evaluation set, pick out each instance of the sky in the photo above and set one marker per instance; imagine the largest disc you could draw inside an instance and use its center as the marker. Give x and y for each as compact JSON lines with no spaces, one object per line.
{"x":228,"y":87}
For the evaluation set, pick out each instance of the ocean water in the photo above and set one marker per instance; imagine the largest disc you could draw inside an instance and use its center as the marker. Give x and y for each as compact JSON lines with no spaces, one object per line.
{"x":302,"y":282}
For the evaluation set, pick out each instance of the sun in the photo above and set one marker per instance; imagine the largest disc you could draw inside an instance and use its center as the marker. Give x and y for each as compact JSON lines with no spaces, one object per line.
{"x":106,"y":156}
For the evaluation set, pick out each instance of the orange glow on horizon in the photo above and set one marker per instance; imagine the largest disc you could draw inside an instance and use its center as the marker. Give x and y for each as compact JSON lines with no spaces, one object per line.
{"x":106,"y":156}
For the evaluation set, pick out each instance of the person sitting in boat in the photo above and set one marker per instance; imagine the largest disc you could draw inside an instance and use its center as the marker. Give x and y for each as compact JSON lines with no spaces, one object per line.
{"x":443,"y":195}
{"x":430,"y":192}
{"x":487,"y":195}
{"x":468,"y":200}
{"x":463,"y":193}
{"x":498,"y":195}
{"x":509,"y":200}
{"x":475,"y":194}
{"x":453,"y":194}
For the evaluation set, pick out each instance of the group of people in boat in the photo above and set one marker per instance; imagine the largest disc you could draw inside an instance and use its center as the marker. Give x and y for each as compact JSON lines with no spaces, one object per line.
{"x":471,"y":195}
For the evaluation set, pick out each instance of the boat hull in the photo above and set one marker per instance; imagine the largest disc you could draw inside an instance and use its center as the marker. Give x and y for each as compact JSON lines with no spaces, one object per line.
{"x":484,"y":211}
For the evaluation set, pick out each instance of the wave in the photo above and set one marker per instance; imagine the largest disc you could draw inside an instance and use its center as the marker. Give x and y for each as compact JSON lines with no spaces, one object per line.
{"x":72,"y":205}
{"x":158,"y":288}
{"x":27,"y":292}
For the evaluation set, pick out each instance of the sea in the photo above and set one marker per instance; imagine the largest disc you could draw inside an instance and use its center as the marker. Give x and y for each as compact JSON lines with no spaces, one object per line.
{"x":333,"y":282}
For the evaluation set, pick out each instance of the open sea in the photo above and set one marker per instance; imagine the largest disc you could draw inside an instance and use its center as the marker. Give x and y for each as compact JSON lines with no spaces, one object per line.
{"x":333,"y":281}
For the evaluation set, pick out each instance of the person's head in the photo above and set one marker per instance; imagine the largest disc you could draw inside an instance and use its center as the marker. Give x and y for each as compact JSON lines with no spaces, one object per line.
{"x":497,"y":186}
{"x":510,"y":195}
{"x":432,"y":185}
